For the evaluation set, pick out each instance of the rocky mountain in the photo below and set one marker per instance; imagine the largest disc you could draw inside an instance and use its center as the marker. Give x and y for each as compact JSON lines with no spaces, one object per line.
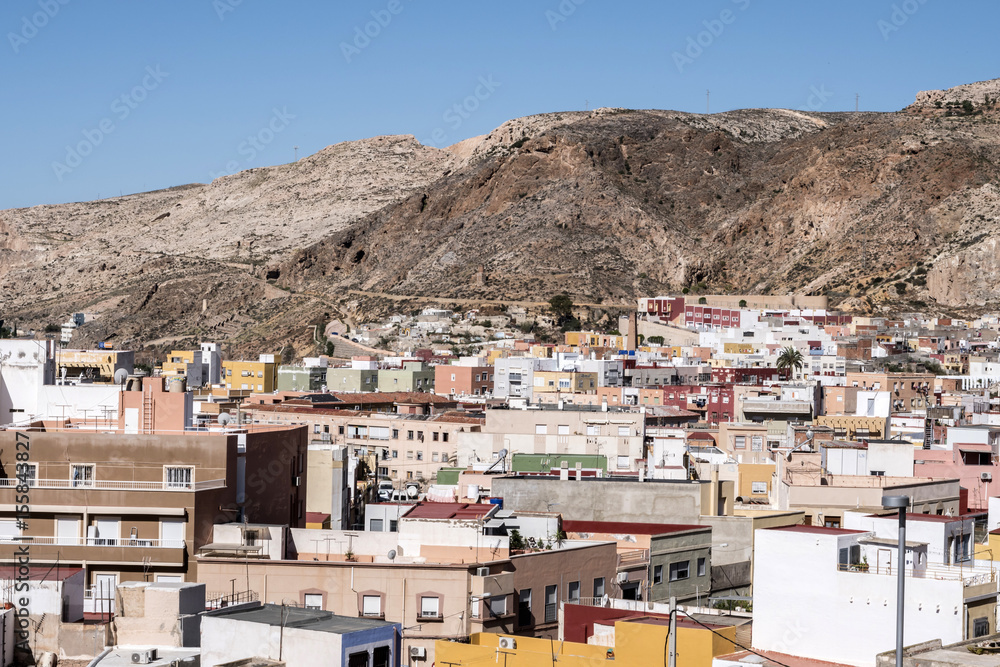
{"x":884,"y":212}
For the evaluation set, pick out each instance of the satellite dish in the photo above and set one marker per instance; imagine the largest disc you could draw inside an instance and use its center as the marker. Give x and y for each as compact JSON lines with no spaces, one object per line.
{"x":120,"y":376}
{"x":391,"y":554}
{"x":503,"y":453}
{"x":224,"y":418}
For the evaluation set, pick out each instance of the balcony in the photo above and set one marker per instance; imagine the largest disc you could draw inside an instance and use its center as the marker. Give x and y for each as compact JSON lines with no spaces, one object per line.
{"x":633,"y":558}
{"x":768,"y":406}
{"x":971,"y":575}
{"x":97,"y":550}
{"x":114,"y":485}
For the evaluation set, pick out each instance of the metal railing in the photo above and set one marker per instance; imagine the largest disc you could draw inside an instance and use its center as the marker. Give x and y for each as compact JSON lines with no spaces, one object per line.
{"x":114,"y":485}
{"x":92,"y":541}
{"x":973,"y":575}
{"x":220,"y":600}
{"x":633,"y":557}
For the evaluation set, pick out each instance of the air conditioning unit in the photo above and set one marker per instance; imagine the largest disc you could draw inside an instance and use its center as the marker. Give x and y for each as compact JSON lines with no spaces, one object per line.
{"x":144,"y":657}
{"x":622,"y":577}
{"x":507,"y":643}
{"x":986,"y":476}
{"x":418,"y":653}
{"x":482,"y":571}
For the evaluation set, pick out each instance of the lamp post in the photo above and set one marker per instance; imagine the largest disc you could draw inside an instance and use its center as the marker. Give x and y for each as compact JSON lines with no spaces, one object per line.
{"x":899,"y":503}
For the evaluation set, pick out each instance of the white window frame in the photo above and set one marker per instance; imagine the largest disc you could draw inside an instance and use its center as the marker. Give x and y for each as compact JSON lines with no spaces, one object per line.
{"x":430,"y":606}
{"x":310,"y":600}
{"x":758,"y":488}
{"x":88,"y":481}
{"x":371,"y":606}
{"x":180,"y":482}
{"x":541,"y":429}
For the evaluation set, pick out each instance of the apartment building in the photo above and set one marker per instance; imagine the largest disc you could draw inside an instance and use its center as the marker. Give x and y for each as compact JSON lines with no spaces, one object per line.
{"x":618,"y":435}
{"x":133,"y":507}
{"x":461,"y":380}
{"x":907,"y":391}
{"x":259,"y":376}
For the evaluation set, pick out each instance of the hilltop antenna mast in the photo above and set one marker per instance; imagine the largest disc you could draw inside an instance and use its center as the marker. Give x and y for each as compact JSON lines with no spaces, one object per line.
{"x":708,"y":101}
{"x":856,"y":97}
{"x":296,"y":149}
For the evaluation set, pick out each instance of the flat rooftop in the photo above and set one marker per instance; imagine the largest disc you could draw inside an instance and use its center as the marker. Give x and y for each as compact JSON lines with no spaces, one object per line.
{"x":449,"y":510}
{"x":625,"y":527}
{"x":300,"y":618}
{"x":819,"y":530}
{"x":121,"y":656}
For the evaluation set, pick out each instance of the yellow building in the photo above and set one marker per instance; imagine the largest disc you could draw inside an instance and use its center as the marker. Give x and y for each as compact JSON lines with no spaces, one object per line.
{"x":847,"y":426}
{"x":990,"y":550}
{"x":739,"y":348}
{"x":259,"y":376}
{"x":98,"y":365}
{"x":565,"y":381}
{"x":176,"y":363}
{"x":754,"y":482}
{"x":636,"y":642}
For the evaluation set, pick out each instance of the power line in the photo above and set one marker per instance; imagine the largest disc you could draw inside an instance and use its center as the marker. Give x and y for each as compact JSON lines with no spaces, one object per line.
{"x":732,"y":641}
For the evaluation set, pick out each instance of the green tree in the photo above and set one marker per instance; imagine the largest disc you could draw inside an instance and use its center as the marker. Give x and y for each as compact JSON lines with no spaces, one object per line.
{"x":790,"y":358}
{"x":656,"y":340}
{"x":702,"y":300}
{"x":743,"y":303}
{"x":562,"y":306}
{"x":330,"y":348}
{"x":516,"y":541}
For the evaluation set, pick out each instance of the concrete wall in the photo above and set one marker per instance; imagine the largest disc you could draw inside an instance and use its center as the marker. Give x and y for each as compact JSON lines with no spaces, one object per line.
{"x":227,"y":639}
{"x":604,"y":500}
{"x":803,"y":605}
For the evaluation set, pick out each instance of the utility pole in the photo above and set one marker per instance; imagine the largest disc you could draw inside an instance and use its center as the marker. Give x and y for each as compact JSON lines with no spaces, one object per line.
{"x":672,"y":637}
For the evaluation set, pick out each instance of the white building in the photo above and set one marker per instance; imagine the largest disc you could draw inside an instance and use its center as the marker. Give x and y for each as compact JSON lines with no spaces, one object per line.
{"x":830,"y":594}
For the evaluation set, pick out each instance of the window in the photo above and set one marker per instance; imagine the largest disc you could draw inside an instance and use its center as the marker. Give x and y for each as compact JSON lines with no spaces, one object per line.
{"x":444,"y":437}
{"x":375,"y":525}
{"x":550,"y":604}
{"x":392,"y":525}
{"x":981,"y":627}
{"x":740,"y":442}
{"x":657,"y":574}
{"x":371,"y":605}
{"x":623,"y":431}
{"x":540,"y":429}
{"x":573,"y":591}
{"x":409,"y":435}
{"x":27,"y":473}
{"x":524,"y":607}
{"x":681,"y":570}
{"x":178,"y":478}
{"x":758,"y":488}
{"x":562,"y":429}
{"x":395,"y":453}
{"x":430,"y":606}
{"x":593,"y":429}
{"x":313,"y":601}
{"x":756,"y":443}
{"x":409,"y":453}
{"x":622,"y":462}
{"x":359,"y":659}
{"x":498,"y":605}
{"x":701,"y":567}
{"x":434,"y":456}
{"x":395,"y":434}
{"x":599,"y":587}
{"x":260,"y":374}
{"x":434,"y":436}
{"x":82,"y":474}
{"x":420,"y":456}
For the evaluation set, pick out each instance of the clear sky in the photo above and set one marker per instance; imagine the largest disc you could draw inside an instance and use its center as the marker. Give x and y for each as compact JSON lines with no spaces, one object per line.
{"x":103,"y":97}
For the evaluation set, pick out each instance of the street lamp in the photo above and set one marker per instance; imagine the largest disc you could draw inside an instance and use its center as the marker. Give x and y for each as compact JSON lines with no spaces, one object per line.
{"x":899,"y":503}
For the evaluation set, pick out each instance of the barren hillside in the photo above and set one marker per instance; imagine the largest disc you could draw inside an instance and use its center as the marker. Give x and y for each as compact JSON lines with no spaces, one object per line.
{"x":885,"y":212}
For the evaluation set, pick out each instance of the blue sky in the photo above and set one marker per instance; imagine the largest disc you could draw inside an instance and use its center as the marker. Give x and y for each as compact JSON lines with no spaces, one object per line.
{"x":104,"y":97}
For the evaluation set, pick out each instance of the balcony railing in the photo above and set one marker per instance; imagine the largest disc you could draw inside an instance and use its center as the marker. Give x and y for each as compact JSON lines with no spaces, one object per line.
{"x":114,"y":485}
{"x":973,"y":575}
{"x":633,"y":558}
{"x":220,"y":600}
{"x":134,"y":542}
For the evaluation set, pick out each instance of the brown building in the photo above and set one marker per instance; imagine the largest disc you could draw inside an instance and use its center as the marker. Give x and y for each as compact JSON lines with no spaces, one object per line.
{"x":909,"y":391}
{"x":134,"y":507}
{"x":463,"y":380}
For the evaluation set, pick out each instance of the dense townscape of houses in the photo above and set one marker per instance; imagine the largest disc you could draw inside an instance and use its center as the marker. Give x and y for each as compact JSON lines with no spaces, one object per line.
{"x":707,"y":479}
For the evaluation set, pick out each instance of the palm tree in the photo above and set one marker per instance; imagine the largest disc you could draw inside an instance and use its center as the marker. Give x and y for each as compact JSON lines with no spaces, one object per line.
{"x":790,"y":358}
